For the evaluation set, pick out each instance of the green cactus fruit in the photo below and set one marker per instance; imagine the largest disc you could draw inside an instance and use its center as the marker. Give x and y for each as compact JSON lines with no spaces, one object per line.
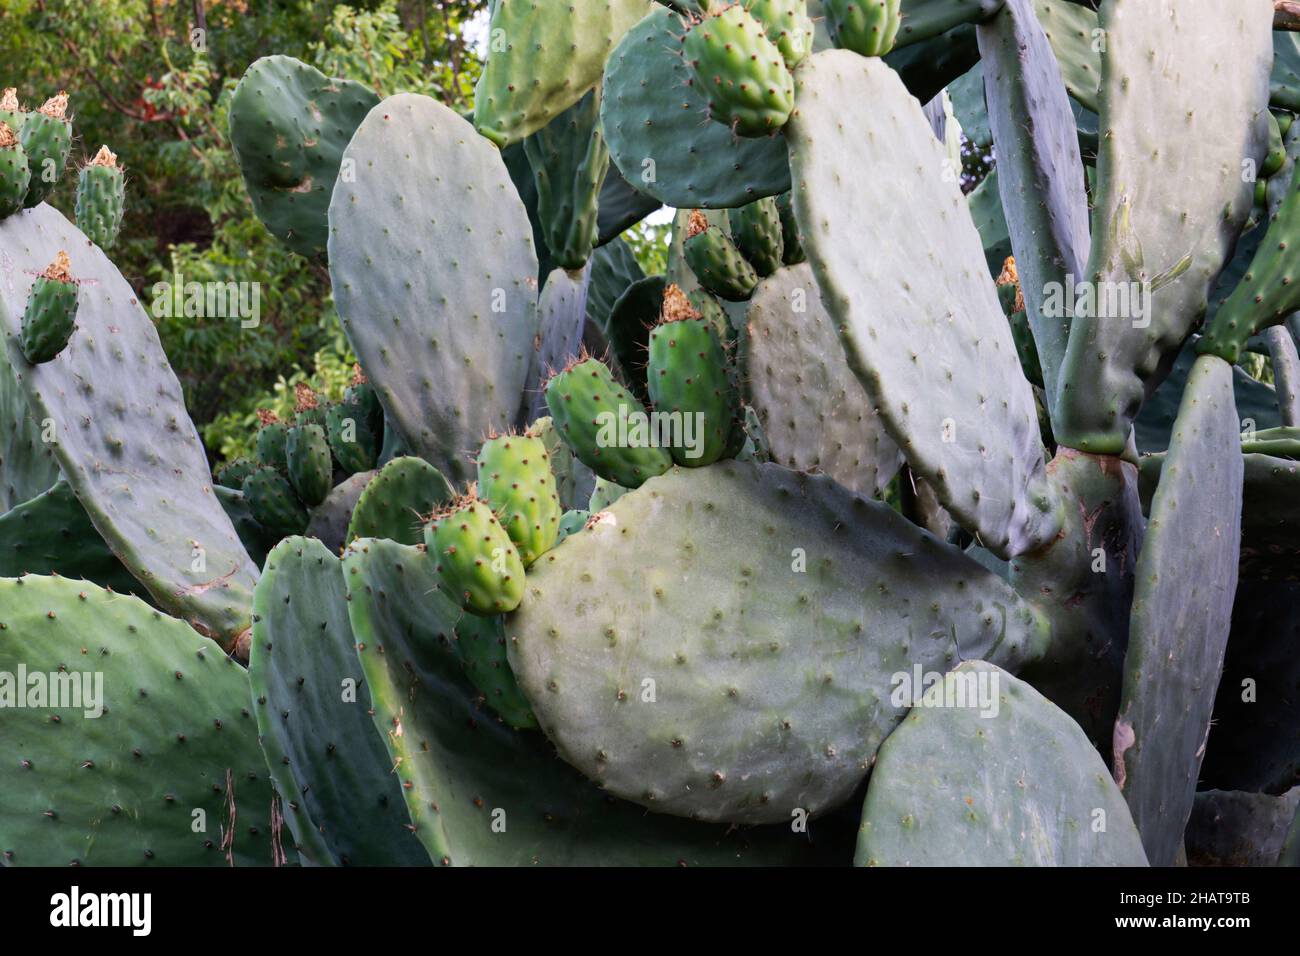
{"x":273,"y":503}
{"x":740,"y":71}
{"x":11,"y":114}
{"x":477,"y":564}
{"x":46,"y":135}
{"x":868,"y":27}
{"x":51,"y":312}
{"x":756,"y":231}
{"x":515,"y":478}
{"x":233,"y":473}
{"x":1274,"y":160}
{"x":101,"y":198}
{"x":355,"y":445}
{"x":792,"y":248}
{"x":360,"y":392}
{"x":307,"y":409}
{"x":271,"y":438}
{"x":787,"y":24}
{"x":307,"y":451}
{"x":14,"y":174}
{"x":394,"y":503}
{"x":688,"y":378}
{"x":604,"y":424}
{"x":716,"y":261}
{"x":571,"y":522}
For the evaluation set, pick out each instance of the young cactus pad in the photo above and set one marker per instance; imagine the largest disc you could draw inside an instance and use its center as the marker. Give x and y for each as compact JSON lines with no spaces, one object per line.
{"x":477,"y":564}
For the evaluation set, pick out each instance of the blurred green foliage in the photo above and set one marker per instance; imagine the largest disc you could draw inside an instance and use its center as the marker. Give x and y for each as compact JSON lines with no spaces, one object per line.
{"x":152,"y":79}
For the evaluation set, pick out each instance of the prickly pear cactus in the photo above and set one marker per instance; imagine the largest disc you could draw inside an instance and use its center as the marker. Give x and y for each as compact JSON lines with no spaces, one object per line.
{"x":515,"y":478}
{"x":477,"y":564}
{"x":101,"y":198}
{"x":47,"y":138}
{"x":15,"y":176}
{"x":51,"y":312}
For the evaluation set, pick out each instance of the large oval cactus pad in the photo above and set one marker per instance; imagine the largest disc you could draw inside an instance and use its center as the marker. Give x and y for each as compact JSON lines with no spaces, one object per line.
{"x":1003,"y":778}
{"x":542,"y":59}
{"x":434,"y":273}
{"x":168,"y":774}
{"x":813,"y":409}
{"x":480,"y":793}
{"x":722,"y":642}
{"x":659,"y":132}
{"x":122,"y":436}
{"x":918,"y":315}
{"x":313,"y":714}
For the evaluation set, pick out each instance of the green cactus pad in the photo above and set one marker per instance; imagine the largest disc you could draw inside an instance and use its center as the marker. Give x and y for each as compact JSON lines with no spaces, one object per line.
{"x":743,"y":672}
{"x":169,"y":774}
{"x":569,"y":160}
{"x":787,"y":24}
{"x":307,"y":452}
{"x":435,"y":282}
{"x":395,"y":504}
{"x":756,"y":231}
{"x":813,"y":410}
{"x":289,"y":125}
{"x":562,"y":318}
{"x":272,"y":437}
{"x":480,"y":643}
{"x":256,"y":539}
{"x":356,"y":429}
{"x":122,"y":436}
{"x":1232,"y":828}
{"x":613,"y":269}
{"x":659,"y":136}
{"x":741,"y":73}
{"x":926,"y":19}
{"x":868,"y":27}
{"x":1284,"y":81}
{"x":515,"y":478}
{"x":330,"y":519}
{"x":52,"y":534}
{"x":101,"y":199}
{"x":1163,"y":227}
{"x":573,"y":479}
{"x":605,"y":425}
{"x":1178,"y":632}
{"x":1265,"y":296}
{"x":273,"y":502}
{"x":627,"y":329}
{"x":342,"y":800}
{"x":791,"y":246}
{"x":539,"y":64}
{"x":1038,"y":175}
{"x":621,"y":206}
{"x":27,"y":463}
{"x":46,"y":136}
{"x":571,"y":522}
{"x":480,"y":793}
{"x":233,"y":473}
{"x":1013,"y":783}
{"x":1073,"y":31}
{"x":50,"y":314}
{"x":476,"y":562}
{"x":926,"y":67}
{"x":716,"y":262}
{"x":604,"y":494}
{"x":919,"y":318}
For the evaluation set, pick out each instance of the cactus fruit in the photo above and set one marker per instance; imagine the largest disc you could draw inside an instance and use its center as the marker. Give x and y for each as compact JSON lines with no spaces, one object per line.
{"x":14,"y":174}
{"x":515,"y":478}
{"x":756,"y":231}
{"x":51,"y":312}
{"x":604,"y":424}
{"x":307,"y":453}
{"x":477,"y":564}
{"x":272,"y":436}
{"x":741,"y":71}
{"x":47,"y":137}
{"x":272,"y":501}
{"x":393,"y":504}
{"x":11,"y":114}
{"x":787,"y":24}
{"x":868,"y":27}
{"x":716,"y":261}
{"x":689,"y":377}
{"x":101,"y":198}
